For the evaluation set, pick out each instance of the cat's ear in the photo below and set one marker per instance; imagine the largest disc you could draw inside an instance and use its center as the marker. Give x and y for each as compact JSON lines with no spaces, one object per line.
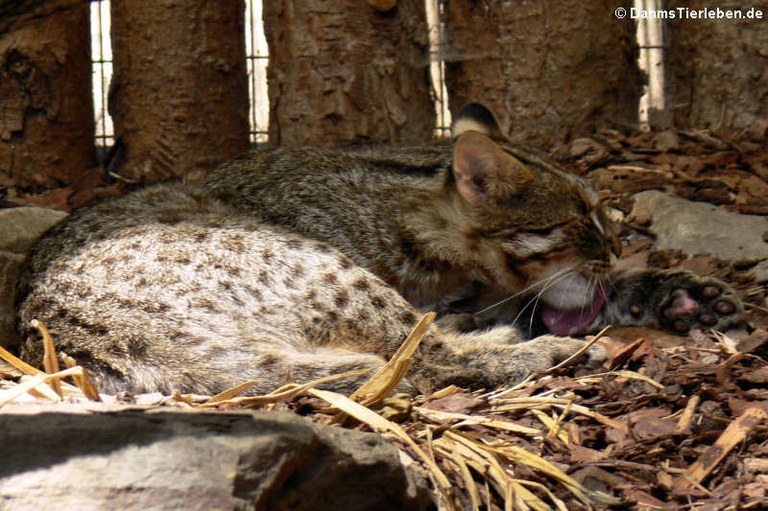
{"x":476,"y":117}
{"x":484,"y":172}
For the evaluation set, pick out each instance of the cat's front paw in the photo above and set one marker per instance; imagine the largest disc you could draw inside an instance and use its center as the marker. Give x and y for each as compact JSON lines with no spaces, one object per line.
{"x":674,"y":300}
{"x":551,"y":350}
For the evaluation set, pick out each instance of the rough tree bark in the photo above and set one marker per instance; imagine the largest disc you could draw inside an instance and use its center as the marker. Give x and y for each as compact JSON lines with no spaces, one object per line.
{"x":718,"y":68}
{"x":179,"y":92}
{"x":548,"y":69}
{"x":343,"y":71}
{"x":46,"y":106}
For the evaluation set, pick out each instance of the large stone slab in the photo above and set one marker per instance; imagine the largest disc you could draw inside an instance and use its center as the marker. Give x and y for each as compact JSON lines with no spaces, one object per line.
{"x":697,"y":228}
{"x":19,"y":228}
{"x":140,"y":460}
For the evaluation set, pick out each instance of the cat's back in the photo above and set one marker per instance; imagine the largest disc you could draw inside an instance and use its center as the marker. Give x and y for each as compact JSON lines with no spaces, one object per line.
{"x":347,"y":173}
{"x":161,"y":204}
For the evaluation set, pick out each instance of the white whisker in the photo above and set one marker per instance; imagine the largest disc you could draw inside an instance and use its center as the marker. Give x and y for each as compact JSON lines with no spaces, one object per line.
{"x":546,"y":284}
{"x":558,"y":275}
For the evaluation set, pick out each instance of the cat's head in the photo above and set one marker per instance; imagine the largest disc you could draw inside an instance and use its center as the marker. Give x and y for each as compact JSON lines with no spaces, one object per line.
{"x":531,"y":223}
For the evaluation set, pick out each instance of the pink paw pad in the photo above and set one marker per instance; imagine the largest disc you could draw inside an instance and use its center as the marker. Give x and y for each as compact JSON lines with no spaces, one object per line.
{"x":682,"y":306}
{"x":690,"y":308}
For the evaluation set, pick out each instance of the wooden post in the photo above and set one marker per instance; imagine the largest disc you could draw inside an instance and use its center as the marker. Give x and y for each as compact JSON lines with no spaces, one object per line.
{"x":718,"y":68}
{"x":46,"y":106}
{"x":179,"y":93}
{"x":549,"y":70}
{"x":346,"y":71}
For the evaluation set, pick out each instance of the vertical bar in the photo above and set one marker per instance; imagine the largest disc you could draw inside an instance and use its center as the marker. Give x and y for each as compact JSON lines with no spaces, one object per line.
{"x":101,"y":65}
{"x":257,"y":55}
{"x":434,"y":10}
{"x":650,"y":38}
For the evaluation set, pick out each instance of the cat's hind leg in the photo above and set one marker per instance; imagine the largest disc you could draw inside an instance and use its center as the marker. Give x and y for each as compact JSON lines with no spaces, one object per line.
{"x":301,"y":368}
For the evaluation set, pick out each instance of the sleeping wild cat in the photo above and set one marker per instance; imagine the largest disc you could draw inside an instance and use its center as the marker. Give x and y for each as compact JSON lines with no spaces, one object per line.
{"x":294,"y":264}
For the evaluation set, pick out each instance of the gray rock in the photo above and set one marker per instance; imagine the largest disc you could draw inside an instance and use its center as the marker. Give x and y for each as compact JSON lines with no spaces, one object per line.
{"x":19,"y":228}
{"x":697,"y":228}
{"x":760,"y":272}
{"x":139,"y":460}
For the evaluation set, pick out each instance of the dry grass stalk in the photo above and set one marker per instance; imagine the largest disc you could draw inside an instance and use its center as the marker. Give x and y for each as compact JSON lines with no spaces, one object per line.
{"x":388,"y":377}
{"x":50,"y":361}
{"x":508,"y":405}
{"x":441,"y":417}
{"x":494,"y":462}
{"x":553,"y":425}
{"x":17,"y":363}
{"x":516,"y":454}
{"x":284,"y":393}
{"x":23,"y":370}
{"x":36,"y":381}
{"x":41,"y":381}
{"x":454,"y":445}
{"x":462,"y":469}
{"x":568,"y":361}
{"x":22,"y":388}
{"x":623,"y":373}
{"x":82,"y":380}
{"x":228,"y":395}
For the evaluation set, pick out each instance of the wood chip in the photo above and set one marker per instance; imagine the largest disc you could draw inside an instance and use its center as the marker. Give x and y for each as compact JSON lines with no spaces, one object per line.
{"x":735,"y":433}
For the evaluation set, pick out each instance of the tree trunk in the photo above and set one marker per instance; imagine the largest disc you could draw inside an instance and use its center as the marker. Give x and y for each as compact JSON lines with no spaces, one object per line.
{"x":550,"y":70}
{"x":343,"y":71}
{"x":718,"y":68}
{"x":46,"y":106}
{"x":179,"y":92}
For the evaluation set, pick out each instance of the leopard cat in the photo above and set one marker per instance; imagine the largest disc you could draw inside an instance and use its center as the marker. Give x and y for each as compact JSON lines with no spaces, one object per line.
{"x":295,"y":264}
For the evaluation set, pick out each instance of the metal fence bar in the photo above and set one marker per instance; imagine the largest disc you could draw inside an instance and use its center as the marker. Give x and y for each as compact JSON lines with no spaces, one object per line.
{"x":101,"y":55}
